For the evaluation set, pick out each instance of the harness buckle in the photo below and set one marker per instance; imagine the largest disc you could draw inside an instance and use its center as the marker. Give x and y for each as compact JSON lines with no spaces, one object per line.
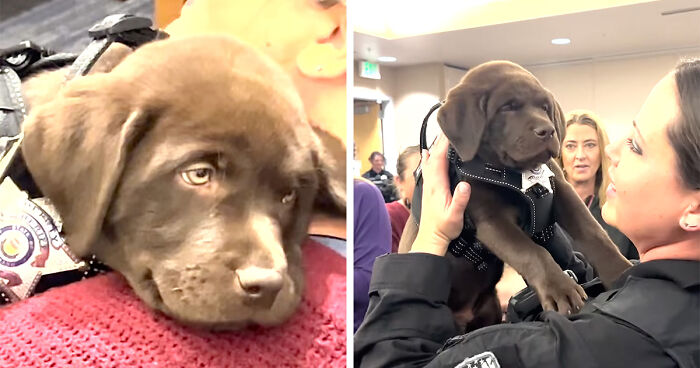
{"x":124,"y":28}
{"x":21,"y":56}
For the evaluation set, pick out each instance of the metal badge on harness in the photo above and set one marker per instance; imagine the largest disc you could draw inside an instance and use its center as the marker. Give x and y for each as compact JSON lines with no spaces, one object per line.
{"x":31,"y":245}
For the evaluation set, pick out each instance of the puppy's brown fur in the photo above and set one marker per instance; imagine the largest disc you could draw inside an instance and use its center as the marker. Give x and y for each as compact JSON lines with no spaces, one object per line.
{"x":494,"y":113}
{"x":186,"y":167}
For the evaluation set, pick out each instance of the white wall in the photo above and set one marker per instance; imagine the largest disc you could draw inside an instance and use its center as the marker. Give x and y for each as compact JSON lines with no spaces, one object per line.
{"x":413,"y":90}
{"x":417,"y":89}
{"x":381,"y":90}
{"x":452,"y":77}
{"x":613,"y":88}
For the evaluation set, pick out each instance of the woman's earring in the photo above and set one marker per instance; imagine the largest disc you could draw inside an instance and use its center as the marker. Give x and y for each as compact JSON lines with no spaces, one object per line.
{"x":689,"y":222}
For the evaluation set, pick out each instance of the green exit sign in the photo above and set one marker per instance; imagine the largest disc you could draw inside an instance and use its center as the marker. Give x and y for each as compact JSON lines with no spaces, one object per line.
{"x":369,"y":70}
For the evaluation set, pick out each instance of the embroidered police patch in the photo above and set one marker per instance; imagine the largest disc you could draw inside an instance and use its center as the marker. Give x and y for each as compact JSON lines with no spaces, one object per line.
{"x":483,"y":360}
{"x":30,"y":244}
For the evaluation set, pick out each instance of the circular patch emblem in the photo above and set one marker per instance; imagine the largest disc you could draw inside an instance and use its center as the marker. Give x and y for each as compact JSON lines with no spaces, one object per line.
{"x":16,"y":245}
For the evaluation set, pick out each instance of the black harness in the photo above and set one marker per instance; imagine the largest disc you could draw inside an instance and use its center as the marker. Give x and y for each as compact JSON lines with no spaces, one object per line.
{"x":535,"y":205}
{"x":33,"y":254}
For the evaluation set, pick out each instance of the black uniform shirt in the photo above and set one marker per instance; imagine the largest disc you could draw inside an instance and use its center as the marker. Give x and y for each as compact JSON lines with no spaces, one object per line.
{"x":384,"y":180}
{"x":623,"y":243}
{"x":408,"y":321}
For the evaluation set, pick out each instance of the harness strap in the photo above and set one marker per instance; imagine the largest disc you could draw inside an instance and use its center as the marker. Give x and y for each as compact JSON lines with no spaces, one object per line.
{"x":123,"y":28}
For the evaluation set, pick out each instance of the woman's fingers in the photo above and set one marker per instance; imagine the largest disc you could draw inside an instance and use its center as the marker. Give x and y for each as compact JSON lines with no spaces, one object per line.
{"x":437,"y":150}
{"x":442,"y":212}
{"x":455,"y":211}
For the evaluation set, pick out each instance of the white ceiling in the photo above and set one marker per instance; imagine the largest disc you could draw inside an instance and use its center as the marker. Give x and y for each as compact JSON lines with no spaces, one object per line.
{"x":620,"y":31}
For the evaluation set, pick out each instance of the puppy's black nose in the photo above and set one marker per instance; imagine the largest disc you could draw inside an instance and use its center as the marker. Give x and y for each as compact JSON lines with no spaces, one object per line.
{"x":544,"y":132}
{"x":258,"y":286}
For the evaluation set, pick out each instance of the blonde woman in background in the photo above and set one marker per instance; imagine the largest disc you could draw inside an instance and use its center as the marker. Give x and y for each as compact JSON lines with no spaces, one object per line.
{"x":586,"y":166}
{"x":399,"y":210}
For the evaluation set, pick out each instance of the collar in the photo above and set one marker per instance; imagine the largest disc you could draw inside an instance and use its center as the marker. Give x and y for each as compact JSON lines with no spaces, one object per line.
{"x":521,"y":180}
{"x":591,"y":201}
{"x":685,"y":274}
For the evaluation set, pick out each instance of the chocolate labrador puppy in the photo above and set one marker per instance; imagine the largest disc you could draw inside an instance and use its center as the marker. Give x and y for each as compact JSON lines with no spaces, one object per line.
{"x":500,"y":114}
{"x":191,"y":169}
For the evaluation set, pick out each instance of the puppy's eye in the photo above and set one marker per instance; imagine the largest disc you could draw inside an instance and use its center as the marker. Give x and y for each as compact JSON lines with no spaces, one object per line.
{"x":546,"y":108}
{"x":289,"y":197}
{"x":510,"y":106}
{"x":199,"y":173}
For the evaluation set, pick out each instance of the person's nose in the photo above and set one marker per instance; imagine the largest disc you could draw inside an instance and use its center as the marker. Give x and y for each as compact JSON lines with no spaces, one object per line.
{"x":580,"y":153}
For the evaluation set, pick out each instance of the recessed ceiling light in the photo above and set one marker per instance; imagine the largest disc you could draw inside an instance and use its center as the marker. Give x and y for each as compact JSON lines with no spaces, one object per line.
{"x":386,"y":59}
{"x":561,"y":41}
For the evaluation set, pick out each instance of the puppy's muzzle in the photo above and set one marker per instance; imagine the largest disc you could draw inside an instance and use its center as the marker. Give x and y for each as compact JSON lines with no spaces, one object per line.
{"x":258,"y":286}
{"x":544,"y":132}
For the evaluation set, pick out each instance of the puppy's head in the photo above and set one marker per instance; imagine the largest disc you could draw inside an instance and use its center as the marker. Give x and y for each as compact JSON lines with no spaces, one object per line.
{"x":501,"y":113}
{"x":189,"y":168}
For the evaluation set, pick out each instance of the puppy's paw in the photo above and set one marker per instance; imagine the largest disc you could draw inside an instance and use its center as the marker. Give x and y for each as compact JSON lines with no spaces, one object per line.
{"x":560,"y":293}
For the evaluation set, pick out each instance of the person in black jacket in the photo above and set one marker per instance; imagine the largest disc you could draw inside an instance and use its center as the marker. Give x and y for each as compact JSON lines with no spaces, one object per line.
{"x":585,"y":167}
{"x":383,"y":179}
{"x":648,"y":318}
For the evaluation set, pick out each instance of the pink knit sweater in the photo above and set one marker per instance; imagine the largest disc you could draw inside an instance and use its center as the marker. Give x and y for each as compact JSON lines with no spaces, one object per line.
{"x":99,"y":322}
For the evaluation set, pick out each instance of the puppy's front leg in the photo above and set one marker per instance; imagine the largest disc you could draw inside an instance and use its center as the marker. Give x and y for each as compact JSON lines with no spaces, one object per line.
{"x":506,"y":240}
{"x":499,"y":232}
{"x":592,"y":240}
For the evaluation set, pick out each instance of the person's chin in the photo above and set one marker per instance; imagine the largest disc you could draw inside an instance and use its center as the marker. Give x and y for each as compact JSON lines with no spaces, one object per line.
{"x":608,"y":212}
{"x":579,"y":176}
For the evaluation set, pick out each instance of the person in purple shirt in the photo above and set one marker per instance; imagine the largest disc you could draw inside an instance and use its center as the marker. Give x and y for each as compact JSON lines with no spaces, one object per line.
{"x":372,"y":238}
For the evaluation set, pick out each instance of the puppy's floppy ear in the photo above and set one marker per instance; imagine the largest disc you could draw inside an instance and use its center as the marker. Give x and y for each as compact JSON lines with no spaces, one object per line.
{"x":463,"y":119}
{"x":558,"y":118}
{"x":329,"y":160}
{"x":44,"y":86}
{"x":76,"y":147}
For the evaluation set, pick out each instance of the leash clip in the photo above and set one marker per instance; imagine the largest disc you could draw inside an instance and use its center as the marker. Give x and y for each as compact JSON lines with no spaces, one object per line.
{"x":128,"y":29}
{"x":572,"y":275}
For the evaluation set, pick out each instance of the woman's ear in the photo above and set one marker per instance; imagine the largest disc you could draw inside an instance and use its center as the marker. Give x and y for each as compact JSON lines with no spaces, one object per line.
{"x":690,"y":220}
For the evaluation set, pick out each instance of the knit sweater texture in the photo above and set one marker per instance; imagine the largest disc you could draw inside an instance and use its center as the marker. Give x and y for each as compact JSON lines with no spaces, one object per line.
{"x":100,"y":322}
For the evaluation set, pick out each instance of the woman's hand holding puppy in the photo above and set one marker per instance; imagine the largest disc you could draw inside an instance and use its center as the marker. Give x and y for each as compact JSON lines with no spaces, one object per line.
{"x":442,"y":212}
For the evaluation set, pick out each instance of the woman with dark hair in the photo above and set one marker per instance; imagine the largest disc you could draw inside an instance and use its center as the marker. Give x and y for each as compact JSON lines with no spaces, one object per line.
{"x":648,"y":318}
{"x":586,"y":168}
{"x":405,"y":183}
